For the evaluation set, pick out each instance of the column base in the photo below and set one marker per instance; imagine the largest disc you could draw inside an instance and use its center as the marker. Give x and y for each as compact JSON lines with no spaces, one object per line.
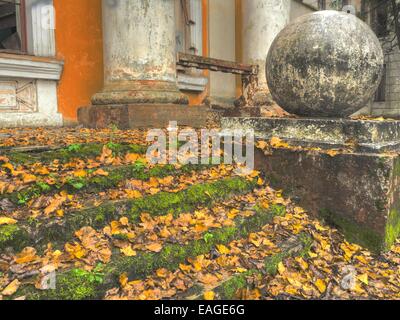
{"x":133,"y":116}
{"x":140,"y":92}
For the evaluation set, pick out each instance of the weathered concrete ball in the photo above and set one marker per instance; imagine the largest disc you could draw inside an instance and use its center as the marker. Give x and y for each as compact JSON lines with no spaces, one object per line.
{"x":324,"y":64}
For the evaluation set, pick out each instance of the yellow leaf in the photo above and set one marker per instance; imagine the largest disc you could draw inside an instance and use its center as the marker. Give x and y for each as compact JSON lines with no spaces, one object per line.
{"x":209,"y":295}
{"x":222,"y":249}
{"x":60,"y":213}
{"x":11,"y":288}
{"x":261,"y":145}
{"x":278,"y":143}
{"x":128,"y":251}
{"x":124,"y":221}
{"x":162,"y":273}
{"x":132,"y":157}
{"x":133,"y":194}
{"x":6,"y":220}
{"x":76,"y":251}
{"x":185,"y":267}
{"x":154,"y":247}
{"x":101,"y":172}
{"x":123,"y":279}
{"x":260,"y":182}
{"x":207,"y":279}
{"x":321,"y":286}
{"x":302,"y":263}
{"x":26,"y":255}
{"x":332,"y":153}
{"x":80,"y":173}
{"x":9,"y":166}
{"x":27,"y":178}
{"x":42,"y":171}
{"x":281,"y":268}
{"x":55,"y":204}
{"x":363,"y":278}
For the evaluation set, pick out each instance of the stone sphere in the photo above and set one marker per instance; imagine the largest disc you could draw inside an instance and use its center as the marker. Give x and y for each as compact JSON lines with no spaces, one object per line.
{"x":324,"y":64}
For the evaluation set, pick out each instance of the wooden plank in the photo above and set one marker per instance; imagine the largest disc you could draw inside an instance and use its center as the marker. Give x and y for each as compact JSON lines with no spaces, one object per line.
{"x":199,"y":62}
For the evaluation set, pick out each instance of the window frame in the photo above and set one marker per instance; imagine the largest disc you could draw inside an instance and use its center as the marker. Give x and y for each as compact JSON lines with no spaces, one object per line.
{"x":21,"y":7}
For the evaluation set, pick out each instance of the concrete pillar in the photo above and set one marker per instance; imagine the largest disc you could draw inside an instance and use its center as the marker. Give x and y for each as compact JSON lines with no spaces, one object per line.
{"x":262,"y":21}
{"x":139,"y":53}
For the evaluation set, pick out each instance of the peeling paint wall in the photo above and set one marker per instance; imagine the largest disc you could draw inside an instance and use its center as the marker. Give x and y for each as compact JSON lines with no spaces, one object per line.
{"x":79,"y":43}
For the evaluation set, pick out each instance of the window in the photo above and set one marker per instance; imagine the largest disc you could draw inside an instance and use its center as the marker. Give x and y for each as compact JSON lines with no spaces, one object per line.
{"x":189,"y":31}
{"x":12,"y":26}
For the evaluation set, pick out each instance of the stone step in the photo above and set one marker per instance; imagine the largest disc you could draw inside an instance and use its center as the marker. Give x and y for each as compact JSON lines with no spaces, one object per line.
{"x":40,"y":232}
{"x":116,"y":175}
{"x":228,"y":289}
{"x":79,"y":284}
{"x":66,"y":154}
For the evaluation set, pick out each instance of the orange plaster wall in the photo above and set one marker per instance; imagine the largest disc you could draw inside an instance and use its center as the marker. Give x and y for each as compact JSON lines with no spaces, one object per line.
{"x":79,"y":44}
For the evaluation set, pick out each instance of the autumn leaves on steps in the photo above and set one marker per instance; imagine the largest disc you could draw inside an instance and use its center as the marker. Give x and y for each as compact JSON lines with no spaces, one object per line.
{"x":32,"y":234}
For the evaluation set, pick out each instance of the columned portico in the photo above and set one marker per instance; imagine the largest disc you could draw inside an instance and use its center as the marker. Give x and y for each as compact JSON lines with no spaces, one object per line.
{"x":139,"y":53}
{"x":262,"y":21}
{"x":140,"y":81}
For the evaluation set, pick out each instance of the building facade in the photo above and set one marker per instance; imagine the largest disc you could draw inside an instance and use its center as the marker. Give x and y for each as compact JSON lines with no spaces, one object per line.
{"x":59,"y":55}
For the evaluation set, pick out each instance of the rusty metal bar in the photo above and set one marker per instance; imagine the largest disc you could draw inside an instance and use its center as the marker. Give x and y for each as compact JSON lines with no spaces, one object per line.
{"x":199,"y":62}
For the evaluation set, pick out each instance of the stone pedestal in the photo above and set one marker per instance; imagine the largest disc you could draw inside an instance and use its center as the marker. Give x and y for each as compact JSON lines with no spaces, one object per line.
{"x":139,"y":66}
{"x":356,"y":188}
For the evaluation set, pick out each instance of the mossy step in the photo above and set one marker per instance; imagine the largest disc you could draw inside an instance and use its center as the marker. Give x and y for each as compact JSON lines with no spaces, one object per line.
{"x":40,"y":232}
{"x":90,"y":150}
{"x":297,"y":246}
{"x":82,"y":285}
{"x":94,"y":184}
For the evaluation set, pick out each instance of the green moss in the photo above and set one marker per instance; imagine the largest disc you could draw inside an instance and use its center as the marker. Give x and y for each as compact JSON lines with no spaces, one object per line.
{"x":8,"y":232}
{"x":71,"y":152}
{"x":100,"y":183}
{"x":12,"y":236}
{"x":229,"y":289}
{"x":392,"y":231}
{"x":159,"y":204}
{"x":354,"y":232}
{"x":69,"y":286}
{"x":271,"y":263}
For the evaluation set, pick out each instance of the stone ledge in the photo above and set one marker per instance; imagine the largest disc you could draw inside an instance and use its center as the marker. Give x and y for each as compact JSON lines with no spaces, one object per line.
{"x":364,"y":135}
{"x":357,"y":192}
{"x":30,"y":67}
{"x":142,"y":116}
{"x":13,"y":119}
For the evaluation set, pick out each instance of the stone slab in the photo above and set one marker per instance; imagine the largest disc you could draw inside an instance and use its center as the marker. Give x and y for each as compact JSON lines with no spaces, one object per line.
{"x":358,"y":193}
{"x":142,"y":116}
{"x":357,"y":189}
{"x":363,"y":135}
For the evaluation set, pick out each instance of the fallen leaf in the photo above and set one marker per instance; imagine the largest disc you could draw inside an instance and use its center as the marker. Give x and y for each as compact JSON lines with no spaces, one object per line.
{"x":55,"y":204}
{"x":27,"y":255}
{"x":321,"y":286}
{"x":209,"y":295}
{"x":207,"y":279}
{"x":154,"y":247}
{"x":8,"y":221}
{"x":128,"y":251}
{"x":222,"y":249}
{"x":11,"y":288}
{"x":363,"y":278}
{"x":101,"y":172}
